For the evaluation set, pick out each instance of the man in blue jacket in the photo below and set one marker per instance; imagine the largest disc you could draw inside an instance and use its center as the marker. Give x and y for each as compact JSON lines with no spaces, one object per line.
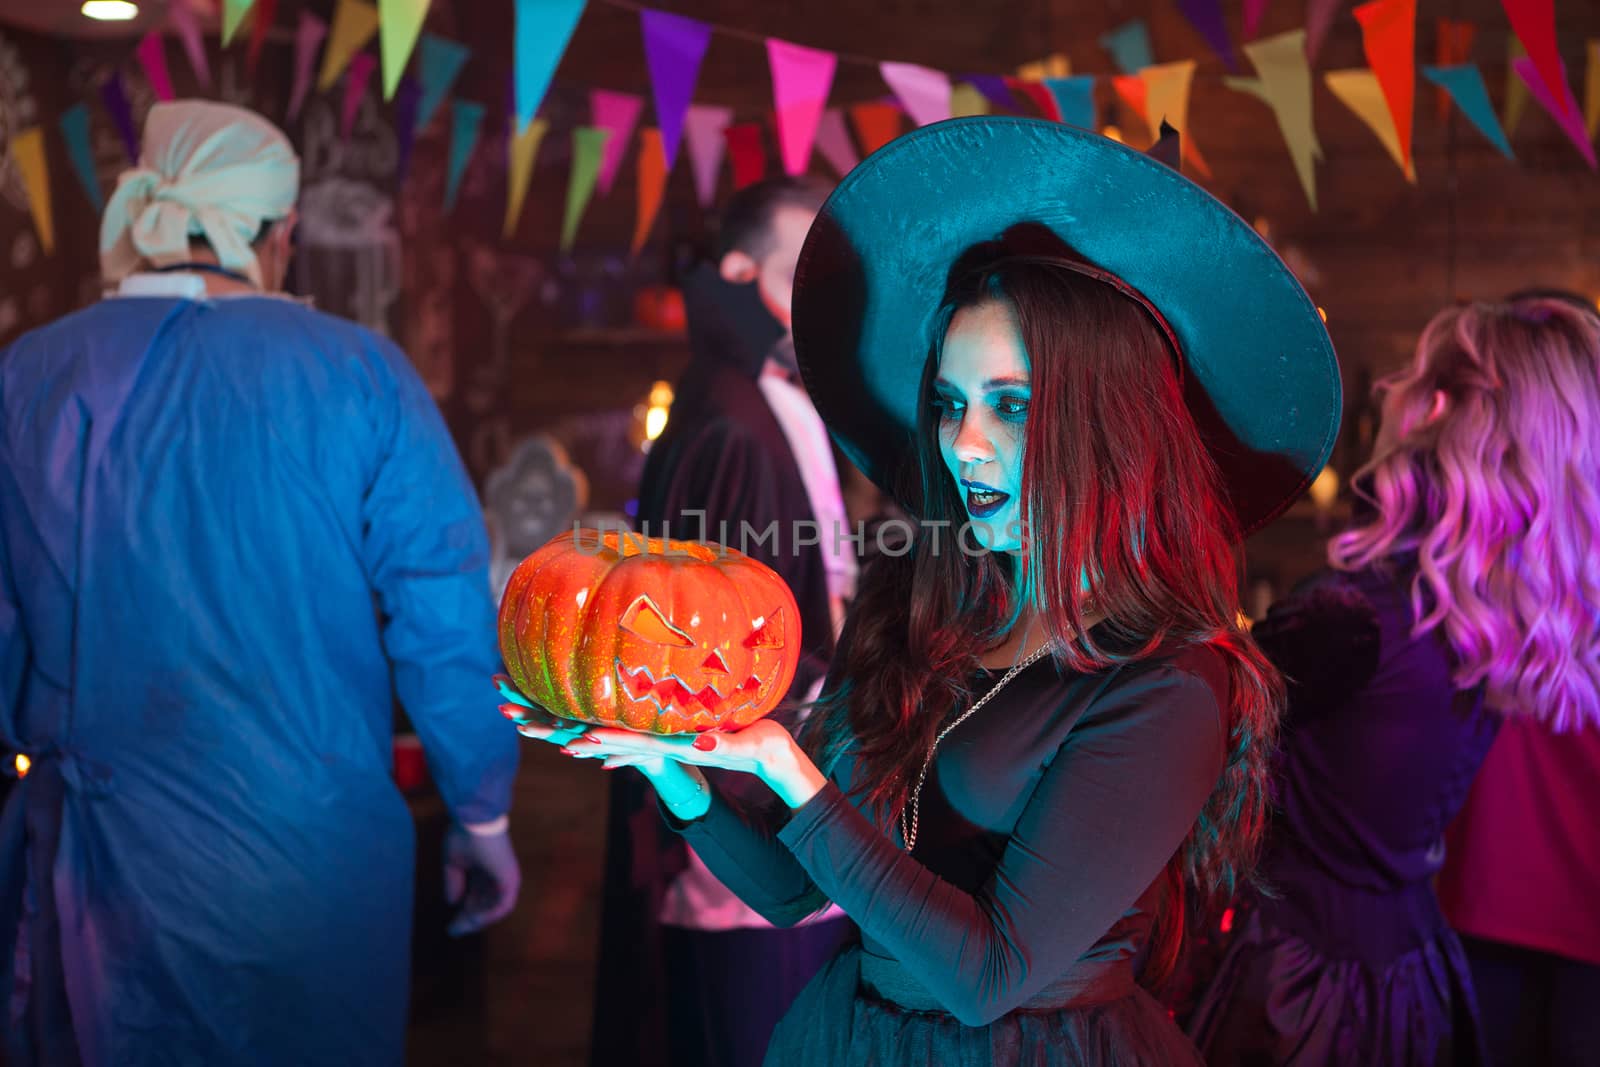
{"x":232,"y":529}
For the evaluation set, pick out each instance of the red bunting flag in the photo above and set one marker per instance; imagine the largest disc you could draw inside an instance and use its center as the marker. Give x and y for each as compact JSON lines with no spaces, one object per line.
{"x":1389,"y":34}
{"x":745,"y":151}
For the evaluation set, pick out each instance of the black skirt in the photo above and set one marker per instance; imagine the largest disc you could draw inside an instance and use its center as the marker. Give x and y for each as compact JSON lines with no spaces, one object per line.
{"x":842,"y":1020}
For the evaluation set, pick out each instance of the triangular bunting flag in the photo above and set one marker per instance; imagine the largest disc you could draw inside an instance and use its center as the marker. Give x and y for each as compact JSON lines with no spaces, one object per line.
{"x":1040,"y":94}
{"x":465,"y":125}
{"x":543,"y":28}
{"x":1283,"y":83}
{"x":833,"y":141}
{"x":967,"y":99}
{"x":1535,"y":24}
{"x":1389,"y":37}
{"x":75,"y":131}
{"x":356,"y":77}
{"x":1129,"y":45}
{"x":673,"y":49}
{"x":801,"y":79}
{"x":1564,"y":108}
{"x":876,"y":123}
{"x":1591,"y":92}
{"x":233,"y":13}
{"x":1516,"y":99}
{"x":260,"y":25}
{"x":523,"y":148}
{"x":1453,"y":49}
{"x":1206,"y":16}
{"x":746,"y":152}
{"x":618,"y":113}
{"x":652,"y":185}
{"x":307,"y":37}
{"x":1074,"y":98}
{"x":115,"y":98}
{"x":27,"y":149}
{"x":439,"y":62}
{"x":407,"y":99}
{"x":1253,"y":10}
{"x":1465,"y":86}
{"x":1167,"y":100}
{"x":354,"y":23}
{"x":922,"y":91}
{"x":588,"y":146}
{"x":1360,"y":92}
{"x":153,"y":58}
{"x":1319,"y":19}
{"x":399,"y":22}
{"x":993,"y":87}
{"x":183,"y":20}
{"x":703,"y":126}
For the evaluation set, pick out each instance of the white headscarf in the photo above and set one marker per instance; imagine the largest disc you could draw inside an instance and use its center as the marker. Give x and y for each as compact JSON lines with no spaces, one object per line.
{"x":205,"y":169}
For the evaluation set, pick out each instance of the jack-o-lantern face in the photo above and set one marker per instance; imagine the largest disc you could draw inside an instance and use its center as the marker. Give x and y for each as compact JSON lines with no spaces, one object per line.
{"x":663,"y":636}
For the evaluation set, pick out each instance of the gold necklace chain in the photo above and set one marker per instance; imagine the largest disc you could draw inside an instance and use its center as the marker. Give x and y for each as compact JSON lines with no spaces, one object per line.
{"x":908,"y":828}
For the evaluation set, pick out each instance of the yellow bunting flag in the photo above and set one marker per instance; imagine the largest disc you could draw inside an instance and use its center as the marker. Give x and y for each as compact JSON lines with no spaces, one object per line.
{"x":524,"y":150}
{"x":1167,"y":97}
{"x":652,"y":184}
{"x":1054,"y":65}
{"x":1516,"y":88}
{"x":1591,"y":91}
{"x":354,"y":23}
{"x":27,"y":148}
{"x":233,"y":13}
{"x":966,"y":99}
{"x":1283,"y":82}
{"x":399,"y":22}
{"x":1361,"y":93}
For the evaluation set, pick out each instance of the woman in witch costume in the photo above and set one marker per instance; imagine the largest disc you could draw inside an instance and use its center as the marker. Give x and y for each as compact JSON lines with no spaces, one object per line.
{"x":1045,"y":724}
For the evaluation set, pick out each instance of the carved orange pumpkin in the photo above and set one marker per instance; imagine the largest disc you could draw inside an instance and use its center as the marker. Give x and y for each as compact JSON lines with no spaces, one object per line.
{"x":651,"y":635}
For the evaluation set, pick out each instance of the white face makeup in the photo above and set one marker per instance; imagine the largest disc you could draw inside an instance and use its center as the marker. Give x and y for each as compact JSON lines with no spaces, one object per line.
{"x":982,"y":394}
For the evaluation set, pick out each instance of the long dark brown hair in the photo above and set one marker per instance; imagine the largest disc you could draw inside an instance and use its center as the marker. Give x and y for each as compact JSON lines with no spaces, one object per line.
{"x":1124,"y":517}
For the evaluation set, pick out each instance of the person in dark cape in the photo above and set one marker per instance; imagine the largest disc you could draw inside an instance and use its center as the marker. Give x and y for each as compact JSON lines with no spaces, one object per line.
{"x":688,"y":975}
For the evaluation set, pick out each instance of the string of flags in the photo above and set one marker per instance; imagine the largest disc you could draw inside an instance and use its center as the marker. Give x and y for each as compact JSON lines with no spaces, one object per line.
{"x":418,"y":71}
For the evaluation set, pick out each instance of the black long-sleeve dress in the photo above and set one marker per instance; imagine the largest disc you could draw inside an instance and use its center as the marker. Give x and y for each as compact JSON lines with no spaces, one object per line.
{"x":1351,"y":960}
{"x":1011,"y":935}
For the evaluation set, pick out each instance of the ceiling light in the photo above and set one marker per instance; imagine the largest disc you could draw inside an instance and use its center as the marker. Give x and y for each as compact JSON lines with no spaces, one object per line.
{"x":110,"y":10}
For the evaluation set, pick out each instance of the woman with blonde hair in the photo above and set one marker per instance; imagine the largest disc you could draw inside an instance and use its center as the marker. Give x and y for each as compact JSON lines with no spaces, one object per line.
{"x":1465,"y":591}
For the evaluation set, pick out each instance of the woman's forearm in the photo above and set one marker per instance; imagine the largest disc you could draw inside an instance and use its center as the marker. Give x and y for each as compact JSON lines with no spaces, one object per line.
{"x":681,"y":787}
{"x":792,"y":775}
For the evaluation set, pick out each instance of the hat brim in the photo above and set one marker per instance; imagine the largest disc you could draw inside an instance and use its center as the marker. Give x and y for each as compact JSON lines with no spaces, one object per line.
{"x":1260,"y":374}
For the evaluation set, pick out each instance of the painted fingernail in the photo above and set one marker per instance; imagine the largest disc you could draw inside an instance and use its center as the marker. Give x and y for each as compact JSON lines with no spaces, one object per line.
{"x":567,"y":752}
{"x":590,"y":739}
{"x":705,"y":742}
{"x":512,"y":711}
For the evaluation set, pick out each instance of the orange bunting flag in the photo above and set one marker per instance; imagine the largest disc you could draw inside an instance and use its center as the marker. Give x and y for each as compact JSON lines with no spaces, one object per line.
{"x":27,"y":149}
{"x":1389,"y":36}
{"x":1166,"y":88}
{"x":1130,"y":89}
{"x":1360,"y":91}
{"x":876,"y":122}
{"x":354,"y":23}
{"x":1454,"y":50}
{"x":652,"y":185}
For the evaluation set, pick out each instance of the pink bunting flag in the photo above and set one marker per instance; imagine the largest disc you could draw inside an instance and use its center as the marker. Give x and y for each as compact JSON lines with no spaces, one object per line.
{"x":1319,"y":18}
{"x":703,"y":126}
{"x":182,"y":19}
{"x":833,"y":141}
{"x":801,"y":79}
{"x":307,"y":36}
{"x":618,"y":113}
{"x":153,"y":58}
{"x":356,"y":77}
{"x":1564,"y":109}
{"x":1253,"y":10}
{"x":922,"y":91}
